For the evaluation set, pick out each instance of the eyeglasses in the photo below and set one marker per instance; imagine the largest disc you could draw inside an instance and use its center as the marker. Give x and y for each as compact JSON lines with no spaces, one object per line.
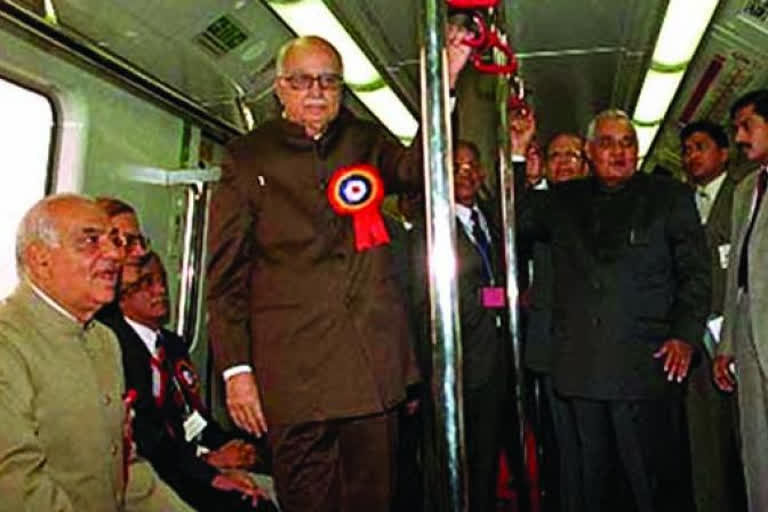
{"x":564,"y":155}
{"x":304,"y":81}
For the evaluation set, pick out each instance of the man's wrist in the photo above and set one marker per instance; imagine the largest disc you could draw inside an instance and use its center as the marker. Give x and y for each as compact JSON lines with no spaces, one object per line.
{"x":236,"y":370}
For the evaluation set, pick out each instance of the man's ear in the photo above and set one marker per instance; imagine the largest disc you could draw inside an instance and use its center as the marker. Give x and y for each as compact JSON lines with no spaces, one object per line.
{"x":38,"y":261}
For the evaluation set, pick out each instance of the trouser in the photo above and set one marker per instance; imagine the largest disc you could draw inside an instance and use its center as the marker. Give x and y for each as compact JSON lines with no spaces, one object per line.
{"x":718,"y":479}
{"x":565,"y":455}
{"x":482,"y":420}
{"x":634,"y":455}
{"x":753,"y":409}
{"x":338,"y":465}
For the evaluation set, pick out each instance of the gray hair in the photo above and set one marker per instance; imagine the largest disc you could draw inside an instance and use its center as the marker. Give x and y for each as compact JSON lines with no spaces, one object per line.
{"x":304,"y":41}
{"x":39,"y":225}
{"x":609,"y":114}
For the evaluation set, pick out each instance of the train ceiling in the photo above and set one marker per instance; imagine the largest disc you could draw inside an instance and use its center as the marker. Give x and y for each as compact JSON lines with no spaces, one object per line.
{"x":577,"y":56}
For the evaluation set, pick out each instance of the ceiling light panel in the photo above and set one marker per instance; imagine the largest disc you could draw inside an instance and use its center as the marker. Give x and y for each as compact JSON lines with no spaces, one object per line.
{"x":683,"y":27}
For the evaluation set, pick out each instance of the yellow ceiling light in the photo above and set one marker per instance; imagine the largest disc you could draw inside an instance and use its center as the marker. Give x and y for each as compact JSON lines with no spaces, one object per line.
{"x":681,"y":31}
{"x":683,"y":27}
{"x":385,"y":105}
{"x":312,"y":17}
{"x":656,"y":95}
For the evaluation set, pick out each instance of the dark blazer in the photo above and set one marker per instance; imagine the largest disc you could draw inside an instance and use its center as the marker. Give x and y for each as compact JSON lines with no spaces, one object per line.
{"x":631,"y":270}
{"x":718,"y":230}
{"x":158,"y":433}
{"x":538,"y":325}
{"x":482,"y":346}
{"x":287,"y":291}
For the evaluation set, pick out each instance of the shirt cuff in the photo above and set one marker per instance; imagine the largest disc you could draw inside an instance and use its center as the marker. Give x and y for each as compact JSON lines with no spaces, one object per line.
{"x":236,"y":370}
{"x":518,"y":158}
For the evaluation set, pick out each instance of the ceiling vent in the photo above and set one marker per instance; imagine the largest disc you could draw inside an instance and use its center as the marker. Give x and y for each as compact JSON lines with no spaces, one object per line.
{"x":222,"y":36}
{"x":756,"y":11}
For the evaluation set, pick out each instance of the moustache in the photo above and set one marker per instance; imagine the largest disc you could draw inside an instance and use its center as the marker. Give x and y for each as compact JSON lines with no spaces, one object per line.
{"x":744,"y":146}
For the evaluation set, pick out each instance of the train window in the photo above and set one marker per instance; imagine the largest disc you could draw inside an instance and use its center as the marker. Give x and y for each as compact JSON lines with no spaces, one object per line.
{"x":25,"y":145}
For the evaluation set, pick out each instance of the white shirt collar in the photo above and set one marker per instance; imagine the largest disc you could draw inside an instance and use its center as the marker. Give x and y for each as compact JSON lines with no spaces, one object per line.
{"x":713,"y":187}
{"x":147,"y":334}
{"x":55,"y":305}
{"x":464,"y":214}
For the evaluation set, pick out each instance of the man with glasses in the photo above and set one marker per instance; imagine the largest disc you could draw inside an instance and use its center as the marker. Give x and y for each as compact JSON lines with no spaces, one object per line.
{"x":63,"y":441}
{"x":307,"y":325}
{"x":172,"y":428}
{"x":135,"y":247}
{"x":631,"y":295}
{"x":565,"y":158}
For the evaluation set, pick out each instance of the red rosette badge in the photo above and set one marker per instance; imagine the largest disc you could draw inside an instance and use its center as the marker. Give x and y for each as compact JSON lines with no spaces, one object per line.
{"x":357,"y":190}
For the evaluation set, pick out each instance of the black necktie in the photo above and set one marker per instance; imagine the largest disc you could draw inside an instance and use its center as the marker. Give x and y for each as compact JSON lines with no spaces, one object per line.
{"x":482,"y":243}
{"x":762,"y":182}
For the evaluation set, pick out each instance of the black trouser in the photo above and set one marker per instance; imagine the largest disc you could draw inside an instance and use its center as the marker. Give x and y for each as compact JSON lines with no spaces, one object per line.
{"x":205,"y":498}
{"x":634,"y":455}
{"x":482,"y":420}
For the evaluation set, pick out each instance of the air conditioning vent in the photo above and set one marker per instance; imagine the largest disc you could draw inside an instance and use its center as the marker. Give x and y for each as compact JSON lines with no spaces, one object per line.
{"x":222,"y":36}
{"x":756,"y":11}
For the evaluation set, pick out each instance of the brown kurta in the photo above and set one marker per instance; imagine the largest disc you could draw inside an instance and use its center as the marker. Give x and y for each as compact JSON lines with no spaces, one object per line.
{"x":322,"y":325}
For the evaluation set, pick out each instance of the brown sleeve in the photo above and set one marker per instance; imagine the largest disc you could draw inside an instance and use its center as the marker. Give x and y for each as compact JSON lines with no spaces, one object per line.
{"x":231,"y":257}
{"x":401,"y":167}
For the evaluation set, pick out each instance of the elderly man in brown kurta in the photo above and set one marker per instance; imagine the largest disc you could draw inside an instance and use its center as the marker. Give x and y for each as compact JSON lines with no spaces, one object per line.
{"x":309,"y":332}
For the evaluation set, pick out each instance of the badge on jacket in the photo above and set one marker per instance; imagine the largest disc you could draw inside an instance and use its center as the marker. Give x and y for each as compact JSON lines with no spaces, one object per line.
{"x":358,"y":190}
{"x":724,"y":250}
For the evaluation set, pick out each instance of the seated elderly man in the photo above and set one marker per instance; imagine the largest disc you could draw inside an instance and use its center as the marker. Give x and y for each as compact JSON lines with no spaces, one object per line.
{"x":62,"y":422}
{"x":172,"y":429}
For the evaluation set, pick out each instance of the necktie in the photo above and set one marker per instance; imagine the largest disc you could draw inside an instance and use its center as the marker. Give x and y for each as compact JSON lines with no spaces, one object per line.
{"x":482,"y":243}
{"x":703,"y":204}
{"x":762,"y":183}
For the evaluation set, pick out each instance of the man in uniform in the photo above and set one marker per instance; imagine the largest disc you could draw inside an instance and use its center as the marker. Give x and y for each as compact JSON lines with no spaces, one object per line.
{"x":306,"y":321}
{"x":63,"y":443}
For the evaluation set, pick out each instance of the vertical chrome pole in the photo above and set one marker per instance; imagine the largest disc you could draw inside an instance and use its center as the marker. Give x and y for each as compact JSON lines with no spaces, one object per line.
{"x":441,"y":253}
{"x":507,"y":194}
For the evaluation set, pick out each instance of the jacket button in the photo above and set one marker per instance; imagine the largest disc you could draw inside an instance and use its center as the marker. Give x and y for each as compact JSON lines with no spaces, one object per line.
{"x":107,"y":400}
{"x":113,"y":449}
{"x":595,"y":321}
{"x":596,"y":284}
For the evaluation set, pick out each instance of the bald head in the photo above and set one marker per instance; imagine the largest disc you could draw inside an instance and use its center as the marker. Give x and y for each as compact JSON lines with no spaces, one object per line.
{"x":39,"y":224}
{"x":309,"y":83}
{"x":67,"y":248}
{"x":301,"y":45}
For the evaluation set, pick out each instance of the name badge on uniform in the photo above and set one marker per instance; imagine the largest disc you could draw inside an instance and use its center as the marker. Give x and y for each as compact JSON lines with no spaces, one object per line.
{"x":194,"y":426}
{"x":492,"y":297}
{"x":724,"y":250}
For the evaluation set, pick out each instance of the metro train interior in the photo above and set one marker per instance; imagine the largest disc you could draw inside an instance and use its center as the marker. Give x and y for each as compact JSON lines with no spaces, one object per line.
{"x":137,"y":98}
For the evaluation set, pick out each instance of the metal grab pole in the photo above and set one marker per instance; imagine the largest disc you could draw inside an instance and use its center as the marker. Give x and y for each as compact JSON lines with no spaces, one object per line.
{"x":509,"y":236}
{"x":441,"y":253}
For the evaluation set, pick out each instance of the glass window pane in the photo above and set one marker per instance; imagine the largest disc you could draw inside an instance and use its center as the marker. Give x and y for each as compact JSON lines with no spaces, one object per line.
{"x":25,"y":139}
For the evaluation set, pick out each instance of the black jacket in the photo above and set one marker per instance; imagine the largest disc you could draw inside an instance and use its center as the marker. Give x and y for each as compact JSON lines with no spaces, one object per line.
{"x":630,"y":271}
{"x":158,"y":432}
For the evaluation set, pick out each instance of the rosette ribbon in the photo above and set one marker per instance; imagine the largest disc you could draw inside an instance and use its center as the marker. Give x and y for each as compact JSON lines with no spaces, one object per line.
{"x":358,"y":190}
